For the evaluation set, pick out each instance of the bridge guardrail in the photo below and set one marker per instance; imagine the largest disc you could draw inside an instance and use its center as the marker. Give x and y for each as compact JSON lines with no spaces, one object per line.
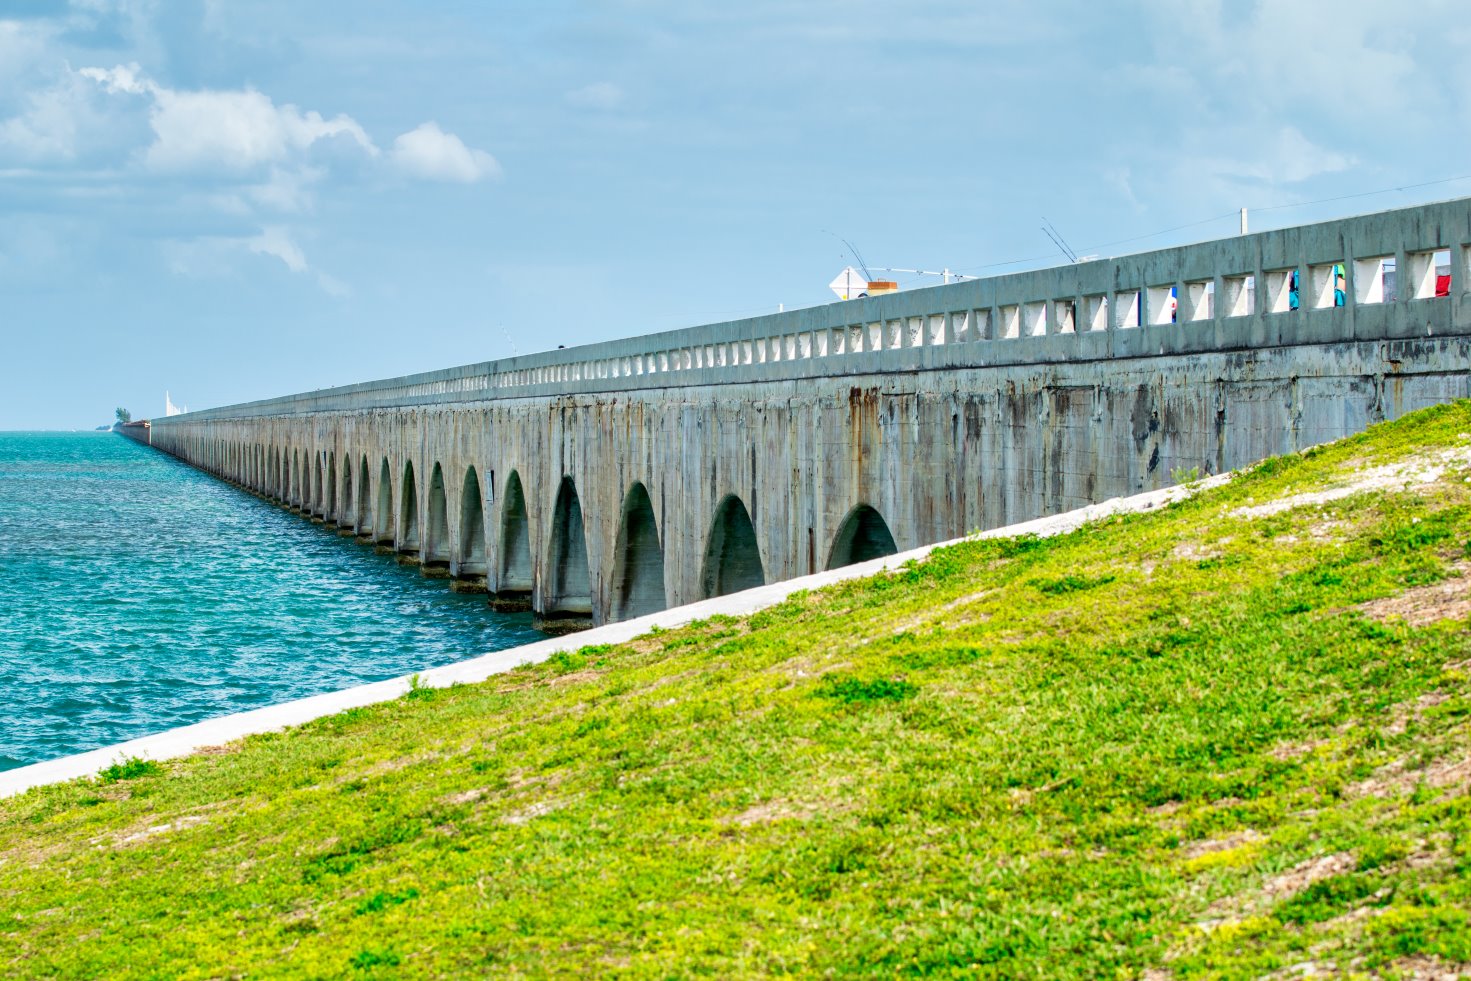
{"x":1228,"y":294}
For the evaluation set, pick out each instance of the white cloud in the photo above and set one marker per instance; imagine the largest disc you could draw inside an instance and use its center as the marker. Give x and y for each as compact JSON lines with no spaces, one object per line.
{"x":221,"y":257}
{"x":287,"y":190}
{"x":430,"y":153}
{"x":237,"y":130}
{"x":124,"y":79}
{"x":45,"y":130}
{"x":598,"y":95}
{"x":277,"y":242}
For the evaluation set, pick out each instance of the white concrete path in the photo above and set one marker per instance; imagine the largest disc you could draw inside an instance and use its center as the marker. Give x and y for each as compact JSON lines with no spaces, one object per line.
{"x":214,"y":732}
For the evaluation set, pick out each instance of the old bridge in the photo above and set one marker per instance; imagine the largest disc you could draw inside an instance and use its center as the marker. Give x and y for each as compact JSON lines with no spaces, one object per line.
{"x":612,"y":480}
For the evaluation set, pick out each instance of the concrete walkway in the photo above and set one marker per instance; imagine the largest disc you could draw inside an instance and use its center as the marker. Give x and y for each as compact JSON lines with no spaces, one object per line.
{"x":214,"y":732}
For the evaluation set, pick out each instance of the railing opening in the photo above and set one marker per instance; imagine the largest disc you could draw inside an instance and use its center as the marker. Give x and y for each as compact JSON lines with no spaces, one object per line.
{"x":1278,"y":295}
{"x":1199,"y":300}
{"x":1160,"y":301}
{"x":1034,"y":319}
{"x":1240,"y":296}
{"x":1095,"y":311}
{"x":1327,"y":286}
{"x":1064,"y":317}
{"x":1127,"y":307}
{"x":1009,"y":321}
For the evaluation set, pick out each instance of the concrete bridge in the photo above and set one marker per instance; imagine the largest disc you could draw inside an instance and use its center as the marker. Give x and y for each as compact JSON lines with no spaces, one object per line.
{"x":607,"y":481}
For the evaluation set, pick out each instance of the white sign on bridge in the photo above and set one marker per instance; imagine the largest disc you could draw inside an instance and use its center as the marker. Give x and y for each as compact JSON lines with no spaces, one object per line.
{"x":850,"y":284}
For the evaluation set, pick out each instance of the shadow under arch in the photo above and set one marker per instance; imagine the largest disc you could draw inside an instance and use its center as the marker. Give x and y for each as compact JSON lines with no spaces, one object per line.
{"x":513,"y":581}
{"x":862,"y":536}
{"x":569,"y":593}
{"x":408,"y":514}
{"x":732,"y":556}
{"x":318,"y":493}
{"x":638,"y":573}
{"x":364,"y":524}
{"x":471,"y":567}
{"x":329,"y":506}
{"x":436,"y":537}
{"x":383,"y":509}
{"x":346,"y":513}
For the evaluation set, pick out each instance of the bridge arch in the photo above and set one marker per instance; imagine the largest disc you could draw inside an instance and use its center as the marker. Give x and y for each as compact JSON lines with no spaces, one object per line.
{"x":383,"y":510}
{"x":330,"y":507}
{"x":862,"y":536}
{"x":638,"y":572}
{"x":408,"y":514}
{"x":732,"y":555}
{"x":295,"y":495}
{"x":568,"y":595}
{"x":513,"y":581}
{"x":472,"y":527}
{"x":436,"y":538}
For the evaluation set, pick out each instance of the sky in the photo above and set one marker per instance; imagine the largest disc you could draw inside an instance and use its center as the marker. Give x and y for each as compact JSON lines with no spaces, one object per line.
{"x":236,"y":199}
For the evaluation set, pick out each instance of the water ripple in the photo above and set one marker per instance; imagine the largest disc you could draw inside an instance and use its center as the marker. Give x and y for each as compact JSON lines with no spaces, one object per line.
{"x":137,"y":594}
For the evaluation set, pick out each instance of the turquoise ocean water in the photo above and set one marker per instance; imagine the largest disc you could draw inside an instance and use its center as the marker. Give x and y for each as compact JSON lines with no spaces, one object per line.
{"x":138,"y":594}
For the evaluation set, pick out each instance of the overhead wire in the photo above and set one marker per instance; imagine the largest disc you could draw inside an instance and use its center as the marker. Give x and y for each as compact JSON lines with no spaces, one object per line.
{"x":754,"y":311}
{"x":1223,"y":217}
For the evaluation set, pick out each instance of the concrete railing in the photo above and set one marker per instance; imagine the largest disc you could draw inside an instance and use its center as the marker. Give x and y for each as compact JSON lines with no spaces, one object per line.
{"x":1229,"y":294}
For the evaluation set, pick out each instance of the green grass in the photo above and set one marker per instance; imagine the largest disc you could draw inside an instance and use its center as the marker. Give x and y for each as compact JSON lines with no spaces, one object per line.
{"x":1165,"y":745}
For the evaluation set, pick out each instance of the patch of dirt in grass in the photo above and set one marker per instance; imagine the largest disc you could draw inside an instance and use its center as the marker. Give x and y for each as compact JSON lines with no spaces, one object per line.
{"x":944,"y":615}
{"x":136,"y":834}
{"x":1447,"y":775}
{"x":571,"y":677}
{"x":1401,"y":715}
{"x":1423,"y":968}
{"x":663,"y":680}
{"x":1194,"y":552}
{"x":1295,"y":750}
{"x":534,"y":810}
{"x":1230,"y":909}
{"x":769,"y":811}
{"x":1415,"y":473}
{"x":1449,"y":599}
{"x":1304,"y":874}
{"x":807,"y":667}
{"x":1195,"y":849}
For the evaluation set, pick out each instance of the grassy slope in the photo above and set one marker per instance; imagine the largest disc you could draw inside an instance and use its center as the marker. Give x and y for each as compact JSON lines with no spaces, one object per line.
{"x":1166,"y":745}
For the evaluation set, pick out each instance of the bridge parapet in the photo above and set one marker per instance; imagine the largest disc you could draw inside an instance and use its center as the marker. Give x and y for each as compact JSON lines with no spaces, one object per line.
{"x":1222,"y":295}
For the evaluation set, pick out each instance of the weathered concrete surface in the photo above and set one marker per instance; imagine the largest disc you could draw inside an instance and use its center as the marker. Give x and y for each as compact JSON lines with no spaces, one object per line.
{"x":216,"y":732}
{"x":606,"y":482}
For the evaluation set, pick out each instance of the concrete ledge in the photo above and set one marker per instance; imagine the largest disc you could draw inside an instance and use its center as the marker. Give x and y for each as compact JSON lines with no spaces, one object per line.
{"x":214,"y":732}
